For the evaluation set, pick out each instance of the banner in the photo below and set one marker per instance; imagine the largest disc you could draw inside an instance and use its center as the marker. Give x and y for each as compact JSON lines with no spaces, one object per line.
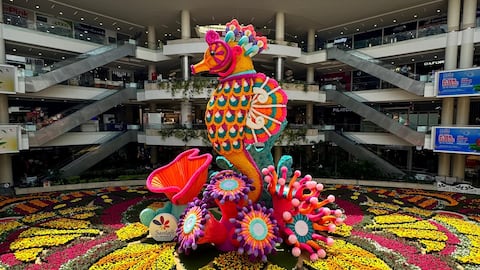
{"x":9,"y":139}
{"x":461,"y":82}
{"x":461,"y":140}
{"x":8,"y":79}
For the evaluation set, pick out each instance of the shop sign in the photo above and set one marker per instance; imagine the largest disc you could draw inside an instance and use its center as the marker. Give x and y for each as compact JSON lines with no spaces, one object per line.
{"x":85,"y":28}
{"x":460,"y":140}
{"x":460,"y":82}
{"x":8,"y":79}
{"x":9,"y":139}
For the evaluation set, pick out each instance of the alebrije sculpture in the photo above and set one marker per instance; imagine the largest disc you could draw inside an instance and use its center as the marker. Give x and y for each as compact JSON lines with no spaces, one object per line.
{"x":251,"y":229}
{"x":302,"y":218}
{"x":182,"y":179}
{"x":246,"y":107}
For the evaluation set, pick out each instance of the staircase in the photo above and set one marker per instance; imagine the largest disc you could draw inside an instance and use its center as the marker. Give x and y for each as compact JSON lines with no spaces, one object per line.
{"x":375,"y":68}
{"x":362,"y":153}
{"x":78,"y":65}
{"x":372,"y":115}
{"x":98,"y":153}
{"x":79,"y":117}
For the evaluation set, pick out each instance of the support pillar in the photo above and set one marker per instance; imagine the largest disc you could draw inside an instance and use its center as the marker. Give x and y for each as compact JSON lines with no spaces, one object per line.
{"x":186,"y":34}
{"x":451,"y":52}
{"x":152,"y":44}
{"x":6,"y":171}
{"x":277,"y":154}
{"x":186,"y":114}
{"x":310,"y":75}
{"x":410,"y":158}
{"x":466,"y":61}
{"x":153,"y":148}
{"x":309,"y":114}
{"x":279,"y":69}
{"x":280,"y":26}
{"x":311,"y":40}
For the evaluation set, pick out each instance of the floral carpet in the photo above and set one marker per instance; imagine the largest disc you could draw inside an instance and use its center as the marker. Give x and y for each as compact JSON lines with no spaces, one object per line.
{"x":100,"y":229}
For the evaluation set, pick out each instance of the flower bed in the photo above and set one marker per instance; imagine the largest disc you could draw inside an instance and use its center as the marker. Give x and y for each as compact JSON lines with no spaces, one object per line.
{"x":384,"y":229}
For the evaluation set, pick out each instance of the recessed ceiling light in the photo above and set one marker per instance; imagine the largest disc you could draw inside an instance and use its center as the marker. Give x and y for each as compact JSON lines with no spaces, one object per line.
{"x":63,"y":57}
{"x":415,"y":16}
{"x":60,"y":13}
{"x":438,"y":10}
{"x":14,"y":49}
{"x":100,"y":23}
{"x":413,"y":59}
{"x":39,"y":53}
{"x":358,"y":29}
{"x":394,"y":20}
{"x":375,"y":25}
{"x":37,"y":6}
{"x":81,"y":19}
{"x":119,"y":66}
{"x":393,"y":62}
{"x":118,"y":28}
{"x":341,"y":33}
{"x":435,"y":56}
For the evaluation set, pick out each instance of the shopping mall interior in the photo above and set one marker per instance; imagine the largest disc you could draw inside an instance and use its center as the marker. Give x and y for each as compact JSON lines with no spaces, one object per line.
{"x":106,"y":89}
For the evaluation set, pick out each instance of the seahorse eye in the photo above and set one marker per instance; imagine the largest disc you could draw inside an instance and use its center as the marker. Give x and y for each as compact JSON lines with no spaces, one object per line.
{"x":212,"y":53}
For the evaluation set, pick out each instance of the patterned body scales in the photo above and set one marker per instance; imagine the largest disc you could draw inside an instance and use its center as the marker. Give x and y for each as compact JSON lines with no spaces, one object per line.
{"x":243,"y":110}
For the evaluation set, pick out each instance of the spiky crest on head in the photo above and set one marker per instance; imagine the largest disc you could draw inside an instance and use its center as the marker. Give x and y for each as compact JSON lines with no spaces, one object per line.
{"x":246,"y":37}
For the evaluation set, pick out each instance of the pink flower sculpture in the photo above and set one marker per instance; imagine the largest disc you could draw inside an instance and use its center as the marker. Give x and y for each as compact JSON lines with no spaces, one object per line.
{"x":182,"y":179}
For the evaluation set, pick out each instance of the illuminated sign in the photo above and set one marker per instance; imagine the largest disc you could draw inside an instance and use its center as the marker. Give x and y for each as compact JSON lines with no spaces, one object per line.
{"x":460,"y":82}
{"x":9,"y":139}
{"x":461,"y":140}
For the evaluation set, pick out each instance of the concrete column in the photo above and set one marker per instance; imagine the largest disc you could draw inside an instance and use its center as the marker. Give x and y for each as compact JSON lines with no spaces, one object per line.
{"x":466,"y":61}
{"x":279,"y":69}
{"x":152,"y":44}
{"x":311,"y":40}
{"x":451,"y":52}
{"x":186,"y":34}
{"x":186,"y":114}
{"x":277,"y":154}
{"x":152,"y":37}
{"x":185,"y":20}
{"x":6,"y":172}
{"x":184,"y":63}
{"x":410,"y":158}
{"x":309,"y":114}
{"x":280,"y":26}
{"x":310,"y":48}
{"x":153,"y":148}
{"x":310,"y":75}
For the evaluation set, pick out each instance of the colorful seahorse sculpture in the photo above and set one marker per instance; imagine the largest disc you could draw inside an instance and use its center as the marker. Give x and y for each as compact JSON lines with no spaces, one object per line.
{"x":246,"y":107}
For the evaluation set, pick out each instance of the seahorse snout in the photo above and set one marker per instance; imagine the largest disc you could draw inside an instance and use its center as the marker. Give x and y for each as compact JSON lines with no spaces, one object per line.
{"x":200,"y":67}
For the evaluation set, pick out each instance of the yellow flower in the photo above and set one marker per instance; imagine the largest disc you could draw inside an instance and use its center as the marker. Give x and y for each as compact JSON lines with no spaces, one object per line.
{"x":132,"y":231}
{"x":27,"y":255}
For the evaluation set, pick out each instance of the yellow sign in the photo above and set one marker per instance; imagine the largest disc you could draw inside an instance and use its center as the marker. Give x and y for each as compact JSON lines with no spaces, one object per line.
{"x":9,"y":139}
{"x":8,"y":79}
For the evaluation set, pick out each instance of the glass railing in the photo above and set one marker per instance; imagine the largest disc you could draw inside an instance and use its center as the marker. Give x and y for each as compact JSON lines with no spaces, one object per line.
{"x":82,"y":56}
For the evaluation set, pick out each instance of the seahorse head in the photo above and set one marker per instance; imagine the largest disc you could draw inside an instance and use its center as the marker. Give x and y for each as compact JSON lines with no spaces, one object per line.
{"x":231,"y":54}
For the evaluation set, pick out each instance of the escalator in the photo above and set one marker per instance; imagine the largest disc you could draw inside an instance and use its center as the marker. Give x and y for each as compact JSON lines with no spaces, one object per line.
{"x":376,"y":68}
{"x":80,"y":116}
{"x":97,"y":153}
{"x":363,"y":153}
{"x":352,"y":102}
{"x":78,"y":65}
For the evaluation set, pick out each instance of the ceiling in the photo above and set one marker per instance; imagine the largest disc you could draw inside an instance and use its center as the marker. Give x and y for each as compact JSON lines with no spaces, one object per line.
{"x":327,"y":18}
